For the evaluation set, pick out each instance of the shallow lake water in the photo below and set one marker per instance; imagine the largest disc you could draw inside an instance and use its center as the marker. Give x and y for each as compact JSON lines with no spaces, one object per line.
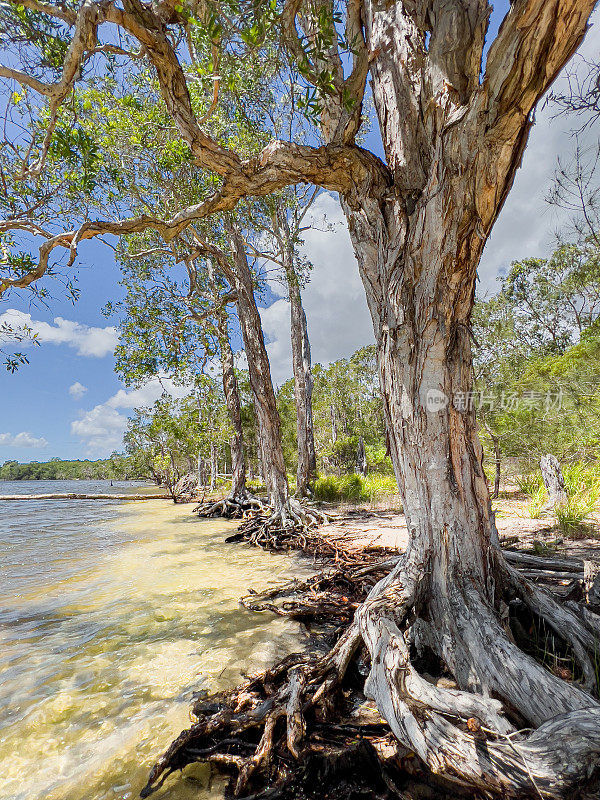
{"x":111,"y":615}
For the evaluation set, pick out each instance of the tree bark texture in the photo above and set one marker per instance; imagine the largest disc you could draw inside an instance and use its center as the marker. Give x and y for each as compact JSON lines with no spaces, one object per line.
{"x":553,"y":479}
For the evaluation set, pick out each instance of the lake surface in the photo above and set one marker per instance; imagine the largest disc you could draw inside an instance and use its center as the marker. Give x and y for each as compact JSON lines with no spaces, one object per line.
{"x":111,"y":615}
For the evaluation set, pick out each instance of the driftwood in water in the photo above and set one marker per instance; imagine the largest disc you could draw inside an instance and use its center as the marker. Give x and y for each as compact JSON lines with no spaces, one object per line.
{"x":75,"y":496}
{"x":553,"y":479}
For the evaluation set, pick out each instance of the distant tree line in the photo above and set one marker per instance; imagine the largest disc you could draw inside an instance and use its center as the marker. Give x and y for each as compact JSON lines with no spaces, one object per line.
{"x":117,"y":467}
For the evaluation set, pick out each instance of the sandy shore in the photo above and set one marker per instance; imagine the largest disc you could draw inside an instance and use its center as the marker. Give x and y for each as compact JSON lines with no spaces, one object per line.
{"x":371,"y":529}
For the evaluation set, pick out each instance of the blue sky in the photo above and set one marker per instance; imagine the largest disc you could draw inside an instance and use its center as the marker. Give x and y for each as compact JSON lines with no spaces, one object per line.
{"x":40,"y":418}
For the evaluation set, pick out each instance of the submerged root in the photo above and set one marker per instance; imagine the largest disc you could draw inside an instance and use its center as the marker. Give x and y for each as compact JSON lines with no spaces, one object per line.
{"x":445,"y":682}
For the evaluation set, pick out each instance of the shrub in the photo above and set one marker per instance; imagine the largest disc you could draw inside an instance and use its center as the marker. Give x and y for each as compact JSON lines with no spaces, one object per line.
{"x":539,"y":498}
{"x":582,"y":485}
{"x":353,"y":488}
{"x":531,"y":484}
{"x":333,"y":489}
{"x":577,"y":510}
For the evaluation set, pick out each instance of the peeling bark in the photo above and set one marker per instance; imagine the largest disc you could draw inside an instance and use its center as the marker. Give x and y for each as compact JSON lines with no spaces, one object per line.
{"x":553,"y":479}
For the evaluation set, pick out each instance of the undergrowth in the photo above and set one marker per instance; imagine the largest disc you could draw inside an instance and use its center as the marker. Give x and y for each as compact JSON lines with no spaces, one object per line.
{"x":582,"y":485}
{"x":354,"y":488}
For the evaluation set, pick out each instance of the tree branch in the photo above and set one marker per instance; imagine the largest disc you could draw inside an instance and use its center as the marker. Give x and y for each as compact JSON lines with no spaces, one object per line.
{"x":58,"y":11}
{"x":536,"y":39}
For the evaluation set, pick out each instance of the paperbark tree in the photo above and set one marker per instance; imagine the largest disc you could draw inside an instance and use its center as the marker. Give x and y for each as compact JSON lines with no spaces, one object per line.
{"x":301,"y":359}
{"x":259,"y":368}
{"x":453,"y":139}
{"x":172,"y":325}
{"x":232,"y":398}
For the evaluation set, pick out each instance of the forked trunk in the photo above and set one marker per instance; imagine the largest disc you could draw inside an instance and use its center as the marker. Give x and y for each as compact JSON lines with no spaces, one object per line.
{"x":259,"y":370}
{"x":418,"y":254}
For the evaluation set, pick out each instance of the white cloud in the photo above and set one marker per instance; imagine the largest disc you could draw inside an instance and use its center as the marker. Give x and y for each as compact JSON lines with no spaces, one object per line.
{"x":102,"y":427}
{"x":23,"y":439}
{"x":85,"y":339}
{"x":77,"y":390}
{"x":334,"y":300}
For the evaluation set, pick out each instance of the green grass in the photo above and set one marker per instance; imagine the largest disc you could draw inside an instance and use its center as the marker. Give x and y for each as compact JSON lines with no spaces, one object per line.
{"x":539,"y":498}
{"x":354,"y":488}
{"x":578,"y":509}
{"x":531,"y":484}
{"x":582,"y":484}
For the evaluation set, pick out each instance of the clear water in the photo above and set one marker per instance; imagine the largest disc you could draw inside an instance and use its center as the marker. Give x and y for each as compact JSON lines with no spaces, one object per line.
{"x":111,"y":615}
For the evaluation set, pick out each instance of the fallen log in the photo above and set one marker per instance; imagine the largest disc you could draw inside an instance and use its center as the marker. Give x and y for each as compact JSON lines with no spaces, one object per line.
{"x":75,"y":496}
{"x":538,"y":562}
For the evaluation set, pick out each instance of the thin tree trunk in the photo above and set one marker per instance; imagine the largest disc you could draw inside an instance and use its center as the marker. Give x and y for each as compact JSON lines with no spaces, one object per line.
{"x":213,"y":466}
{"x":269,"y":425}
{"x":497,"y":468}
{"x":232,"y":399}
{"x":334,"y":432}
{"x":361,"y":458}
{"x":301,"y":361}
{"x":497,"y":459}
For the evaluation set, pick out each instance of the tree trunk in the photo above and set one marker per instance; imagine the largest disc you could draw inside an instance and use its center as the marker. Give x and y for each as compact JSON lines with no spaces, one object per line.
{"x":553,"y":479}
{"x":361,"y":458}
{"x":259,"y":370}
{"x":213,"y":466}
{"x":232,"y":399}
{"x":301,"y":362}
{"x":497,"y":459}
{"x":418,"y":254}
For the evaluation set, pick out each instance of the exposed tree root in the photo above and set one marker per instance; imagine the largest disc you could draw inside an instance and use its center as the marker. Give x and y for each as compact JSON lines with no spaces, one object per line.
{"x":285,"y":529}
{"x":333,"y":594}
{"x":446,"y":682}
{"x":233,"y":507}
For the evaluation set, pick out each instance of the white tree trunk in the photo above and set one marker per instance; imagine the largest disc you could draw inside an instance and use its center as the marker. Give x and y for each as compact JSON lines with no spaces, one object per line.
{"x":553,"y":479}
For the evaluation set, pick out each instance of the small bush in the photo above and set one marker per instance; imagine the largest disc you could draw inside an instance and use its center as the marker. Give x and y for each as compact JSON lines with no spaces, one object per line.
{"x":379,"y":487}
{"x":580,"y":478}
{"x":353,"y":488}
{"x":539,"y":498}
{"x":333,"y":489}
{"x":582,"y":485}
{"x":577,"y":510}
{"x":531,"y":484}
